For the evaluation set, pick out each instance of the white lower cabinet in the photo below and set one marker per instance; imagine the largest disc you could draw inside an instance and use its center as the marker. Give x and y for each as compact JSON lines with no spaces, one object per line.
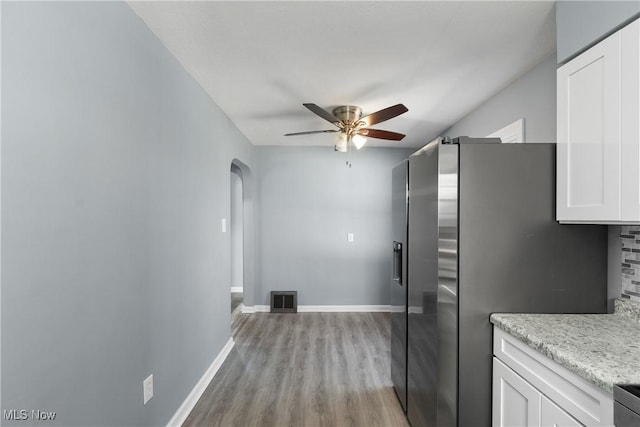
{"x":554,"y":416}
{"x":530,"y":389}
{"x":516,"y":403}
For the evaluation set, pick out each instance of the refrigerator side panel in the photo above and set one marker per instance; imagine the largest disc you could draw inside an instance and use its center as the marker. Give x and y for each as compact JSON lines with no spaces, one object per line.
{"x":399,"y":280}
{"x":447,"y":286}
{"x":514,"y":257}
{"x":423,"y":272}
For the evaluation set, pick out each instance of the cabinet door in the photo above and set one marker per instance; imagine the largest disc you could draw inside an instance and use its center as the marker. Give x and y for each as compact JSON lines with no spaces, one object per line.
{"x":630,"y":122}
{"x":551,"y":415}
{"x":588,"y":151}
{"x":515,"y":401}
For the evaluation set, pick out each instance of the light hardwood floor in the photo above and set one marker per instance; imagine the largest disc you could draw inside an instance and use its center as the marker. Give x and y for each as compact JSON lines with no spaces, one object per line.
{"x":304,"y":369}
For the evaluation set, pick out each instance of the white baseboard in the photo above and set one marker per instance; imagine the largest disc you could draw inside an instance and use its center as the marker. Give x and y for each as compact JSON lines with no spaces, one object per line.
{"x":187,"y":406}
{"x":248,"y":309}
{"x":237,"y":289}
{"x":325,"y":309}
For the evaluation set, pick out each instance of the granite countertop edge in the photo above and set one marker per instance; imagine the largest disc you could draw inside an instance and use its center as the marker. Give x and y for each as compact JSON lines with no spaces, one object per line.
{"x":590,"y":360}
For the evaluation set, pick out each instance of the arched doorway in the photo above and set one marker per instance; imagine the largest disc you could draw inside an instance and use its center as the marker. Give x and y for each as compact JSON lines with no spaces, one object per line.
{"x":236,"y":226}
{"x":242,"y":245}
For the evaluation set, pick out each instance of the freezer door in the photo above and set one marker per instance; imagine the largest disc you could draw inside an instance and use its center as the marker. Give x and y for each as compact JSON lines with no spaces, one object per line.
{"x":423,"y":273}
{"x":398,"y":251}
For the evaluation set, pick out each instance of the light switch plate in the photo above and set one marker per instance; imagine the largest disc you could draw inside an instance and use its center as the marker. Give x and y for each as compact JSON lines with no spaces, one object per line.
{"x":147,"y":389}
{"x":224,"y":225}
{"x":350,"y":237}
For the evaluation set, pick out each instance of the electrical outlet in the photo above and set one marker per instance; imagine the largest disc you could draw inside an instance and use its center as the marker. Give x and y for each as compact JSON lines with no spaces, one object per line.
{"x":147,"y":389}
{"x":350,"y":237}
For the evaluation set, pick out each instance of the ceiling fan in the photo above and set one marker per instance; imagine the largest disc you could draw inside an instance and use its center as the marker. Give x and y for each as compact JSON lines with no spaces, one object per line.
{"x":354,"y":128}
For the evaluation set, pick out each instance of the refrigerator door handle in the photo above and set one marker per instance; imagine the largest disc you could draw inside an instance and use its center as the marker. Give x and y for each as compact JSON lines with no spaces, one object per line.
{"x":397,"y":262}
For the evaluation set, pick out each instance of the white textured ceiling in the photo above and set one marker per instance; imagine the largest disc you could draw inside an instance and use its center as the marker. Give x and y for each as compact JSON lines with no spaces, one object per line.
{"x":259,"y":61}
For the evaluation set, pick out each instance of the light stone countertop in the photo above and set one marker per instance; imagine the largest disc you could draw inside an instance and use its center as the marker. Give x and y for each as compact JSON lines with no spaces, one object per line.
{"x":601,"y":348}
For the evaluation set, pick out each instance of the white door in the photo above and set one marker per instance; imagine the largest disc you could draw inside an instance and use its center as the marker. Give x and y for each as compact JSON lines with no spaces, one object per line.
{"x":588,"y":152}
{"x":515,"y":401}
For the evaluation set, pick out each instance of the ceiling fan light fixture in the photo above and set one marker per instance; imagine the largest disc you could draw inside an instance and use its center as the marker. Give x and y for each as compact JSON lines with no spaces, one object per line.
{"x":342,"y":142}
{"x":359,"y":141}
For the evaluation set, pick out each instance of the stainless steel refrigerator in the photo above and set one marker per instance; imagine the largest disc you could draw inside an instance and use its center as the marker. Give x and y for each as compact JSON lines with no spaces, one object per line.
{"x":475,"y":233}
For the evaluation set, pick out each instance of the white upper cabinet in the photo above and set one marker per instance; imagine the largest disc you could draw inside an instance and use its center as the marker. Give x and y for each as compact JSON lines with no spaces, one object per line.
{"x":630,"y":123}
{"x":598,"y":156}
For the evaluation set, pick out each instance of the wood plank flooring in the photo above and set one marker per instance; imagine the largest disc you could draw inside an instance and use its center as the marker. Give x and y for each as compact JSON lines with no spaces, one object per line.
{"x":304,"y":369}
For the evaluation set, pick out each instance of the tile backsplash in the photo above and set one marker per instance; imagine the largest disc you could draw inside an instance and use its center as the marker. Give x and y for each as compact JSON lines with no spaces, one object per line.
{"x":630,"y":238}
{"x":628,"y":309}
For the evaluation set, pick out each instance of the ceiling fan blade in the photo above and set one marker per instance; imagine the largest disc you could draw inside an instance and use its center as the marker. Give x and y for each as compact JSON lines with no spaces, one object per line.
{"x":384,"y":114}
{"x":322,"y":113}
{"x":312,"y":131}
{"x":381,"y":134}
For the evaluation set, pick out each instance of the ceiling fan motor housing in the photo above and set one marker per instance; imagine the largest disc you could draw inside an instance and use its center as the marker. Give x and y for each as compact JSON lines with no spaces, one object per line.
{"x":348,"y":113}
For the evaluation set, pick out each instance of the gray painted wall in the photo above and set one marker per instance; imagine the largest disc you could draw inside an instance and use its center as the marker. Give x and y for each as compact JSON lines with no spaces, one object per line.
{"x":532,"y":97}
{"x":580,"y":24}
{"x":115,"y":177}
{"x":309,"y":201}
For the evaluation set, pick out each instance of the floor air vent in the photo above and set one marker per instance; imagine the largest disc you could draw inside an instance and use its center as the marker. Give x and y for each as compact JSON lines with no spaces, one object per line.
{"x":284,"y":301}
